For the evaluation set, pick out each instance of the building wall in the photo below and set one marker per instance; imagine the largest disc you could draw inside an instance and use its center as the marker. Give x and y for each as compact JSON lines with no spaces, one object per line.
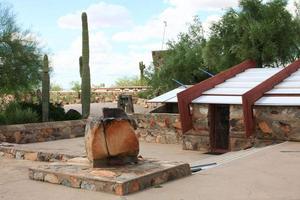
{"x":164,"y":128}
{"x":277,"y":123}
{"x":237,"y":133}
{"x":274,"y":124}
{"x":198,"y":137}
{"x":41,"y":132}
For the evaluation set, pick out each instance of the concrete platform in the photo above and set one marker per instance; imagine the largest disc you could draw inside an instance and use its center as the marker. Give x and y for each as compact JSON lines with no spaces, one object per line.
{"x":120,"y":180}
{"x":269,"y":174}
{"x":62,"y":150}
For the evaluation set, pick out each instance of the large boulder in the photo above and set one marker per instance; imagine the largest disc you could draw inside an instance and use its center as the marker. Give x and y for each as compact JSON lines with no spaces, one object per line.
{"x":111,"y":139}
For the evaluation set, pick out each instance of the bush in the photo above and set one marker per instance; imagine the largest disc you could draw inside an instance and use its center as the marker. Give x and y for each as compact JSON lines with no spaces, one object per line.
{"x":56,"y":111}
{"x":146,"y":94}
{"x":73,"y":115}
{"x":15,"y":114}
{"x":2,"y":119}
{"x":24,"y":112}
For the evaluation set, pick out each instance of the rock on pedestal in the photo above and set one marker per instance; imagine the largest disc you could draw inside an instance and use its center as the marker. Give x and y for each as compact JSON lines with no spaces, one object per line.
{"x":111,"y":140}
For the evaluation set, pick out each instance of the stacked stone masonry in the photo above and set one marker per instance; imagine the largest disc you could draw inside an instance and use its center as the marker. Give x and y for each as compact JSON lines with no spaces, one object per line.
{"x":41,"y":132}
{"x":161,"y":128}
{"x":278,"y":123}
{"x":274,"y":124}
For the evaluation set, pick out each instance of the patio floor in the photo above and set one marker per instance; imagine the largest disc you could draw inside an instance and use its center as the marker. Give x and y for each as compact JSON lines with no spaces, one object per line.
{"x":266,"y":173}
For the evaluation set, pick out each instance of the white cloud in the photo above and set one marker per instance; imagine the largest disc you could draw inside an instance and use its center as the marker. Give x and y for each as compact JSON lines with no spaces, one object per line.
{"x":291,"y":7}
{"x":177,"y":15}
{"x":100,"y":15}
{"x":106,"y":63}
{"x":209,"y":22}
{"x":204,"y":4}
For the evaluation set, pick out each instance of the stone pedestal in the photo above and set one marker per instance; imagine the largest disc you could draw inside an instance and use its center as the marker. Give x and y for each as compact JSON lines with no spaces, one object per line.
{"x":119,"y":180}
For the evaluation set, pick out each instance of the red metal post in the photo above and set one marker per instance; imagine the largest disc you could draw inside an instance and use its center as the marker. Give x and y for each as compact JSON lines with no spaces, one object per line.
{"x":250,"y":97}
{"x":187,"y":96}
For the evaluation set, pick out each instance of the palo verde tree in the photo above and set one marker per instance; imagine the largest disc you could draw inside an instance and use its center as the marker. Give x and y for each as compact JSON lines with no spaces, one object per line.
{"x":263,"y":31}
{"x":21,"y":59}
{"x":183,"y":61}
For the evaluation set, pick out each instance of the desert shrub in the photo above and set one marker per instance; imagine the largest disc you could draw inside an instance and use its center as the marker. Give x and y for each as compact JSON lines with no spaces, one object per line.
{"x":56,"y":111}
{"x":147,"y":94}
{"x":15,"y":114}
{"x":2,"y":119}
{"x":73,"y":115}
{"x":25,"y":112}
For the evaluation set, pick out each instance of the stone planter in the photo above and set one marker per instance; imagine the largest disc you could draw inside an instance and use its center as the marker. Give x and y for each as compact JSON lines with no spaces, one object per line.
{"x":42,"y":132}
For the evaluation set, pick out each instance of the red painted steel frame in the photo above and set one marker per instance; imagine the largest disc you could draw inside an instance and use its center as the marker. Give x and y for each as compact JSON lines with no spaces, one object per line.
{"x":250,"y":97}
{"x":187,"y":96}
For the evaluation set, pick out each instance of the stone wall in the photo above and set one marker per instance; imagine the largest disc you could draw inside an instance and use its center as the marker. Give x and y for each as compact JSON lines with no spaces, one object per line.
{"x":41,"y":132}
{"x":198,"y":137}
{"x":96,"y":97}
{"x":277,"y":123}
{"x":161,"y":128}
{"x":237,"y":132}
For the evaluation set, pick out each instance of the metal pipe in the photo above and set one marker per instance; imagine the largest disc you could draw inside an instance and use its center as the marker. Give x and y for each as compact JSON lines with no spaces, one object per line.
{"x":206,"y":72}
{"x":179,"y":83}
{"x":197,"y":168}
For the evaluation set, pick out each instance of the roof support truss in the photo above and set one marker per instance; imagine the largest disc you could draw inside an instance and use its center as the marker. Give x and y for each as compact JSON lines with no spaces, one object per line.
{"x":250,"y":97}
{"x":187,"y":96}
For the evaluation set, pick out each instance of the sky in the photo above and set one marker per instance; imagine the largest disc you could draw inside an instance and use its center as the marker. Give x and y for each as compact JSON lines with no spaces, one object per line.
{"x":122,"y":32}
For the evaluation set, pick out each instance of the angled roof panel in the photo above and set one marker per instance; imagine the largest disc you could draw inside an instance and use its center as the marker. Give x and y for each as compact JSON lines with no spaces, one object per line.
{"x":284,"y":91}
{"x":167,"y":96}
{"x":231,"y":91}
{"x":218,"y":99}
{"x":278,"y":101}
{"x":227,"y":91}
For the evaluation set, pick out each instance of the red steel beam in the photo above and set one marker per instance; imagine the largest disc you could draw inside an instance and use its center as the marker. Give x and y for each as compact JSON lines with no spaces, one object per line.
{"x":187,"y":96}
{"x":250,"y":97}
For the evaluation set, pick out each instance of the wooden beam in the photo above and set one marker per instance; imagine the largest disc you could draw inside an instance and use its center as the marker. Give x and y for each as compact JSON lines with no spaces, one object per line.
{"x":187,"y":96}
{"x":250,"y":97}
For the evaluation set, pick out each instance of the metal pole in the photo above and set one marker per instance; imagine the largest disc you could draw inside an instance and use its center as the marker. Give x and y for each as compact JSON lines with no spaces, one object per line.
{"x":179,"y":83}
{"x":206,"y":72}
{"x":164,"y":34}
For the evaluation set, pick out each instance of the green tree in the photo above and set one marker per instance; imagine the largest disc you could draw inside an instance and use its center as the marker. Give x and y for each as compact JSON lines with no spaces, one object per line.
{"x":128,"y":81}
{"x":265,"y":32}
{"x":55,"y":87}
{"x":21,"y":59}
{"x":183,"y":61}
{"x":76,"y":86}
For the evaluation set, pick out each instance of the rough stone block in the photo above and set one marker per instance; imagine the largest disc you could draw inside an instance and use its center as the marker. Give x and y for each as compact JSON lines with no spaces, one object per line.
{"x":119,"y":180}
{"x":51,"y":178}
{"x":31,"y":156}
{"x":196,"y":142}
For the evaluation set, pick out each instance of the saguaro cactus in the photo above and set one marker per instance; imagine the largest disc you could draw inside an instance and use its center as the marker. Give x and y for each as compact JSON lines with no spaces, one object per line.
{"x":45,"y":90}
{"x":80,"y":66}
{"x":85,"y":69}
{"x":142,"y":68}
